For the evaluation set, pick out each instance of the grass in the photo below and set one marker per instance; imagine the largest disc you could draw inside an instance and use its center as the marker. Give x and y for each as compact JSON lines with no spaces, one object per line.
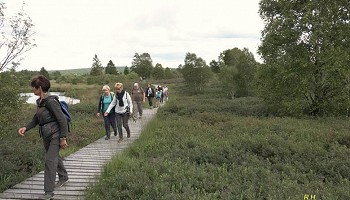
{"x":204,"y":146}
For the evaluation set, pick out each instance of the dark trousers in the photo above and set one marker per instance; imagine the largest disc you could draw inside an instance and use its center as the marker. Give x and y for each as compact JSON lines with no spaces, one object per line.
{"x":110,"y":121}
{"x":122,"y":121}
{"x":53,"y":164}
{"x":150,"y":101}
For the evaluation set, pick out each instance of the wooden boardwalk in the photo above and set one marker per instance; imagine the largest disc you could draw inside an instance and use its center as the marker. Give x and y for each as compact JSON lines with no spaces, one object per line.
{"x":84,"y":166}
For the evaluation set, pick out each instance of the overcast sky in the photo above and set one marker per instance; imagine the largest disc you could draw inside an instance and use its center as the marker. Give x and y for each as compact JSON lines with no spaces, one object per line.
{"x":70,"y":32}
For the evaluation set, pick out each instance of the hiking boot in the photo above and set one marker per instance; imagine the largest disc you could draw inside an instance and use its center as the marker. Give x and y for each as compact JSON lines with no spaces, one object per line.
{"x":106,"y":138}
{"x":120,"y":140}
{"x":47,"y":195}
{"x":61,"y":183}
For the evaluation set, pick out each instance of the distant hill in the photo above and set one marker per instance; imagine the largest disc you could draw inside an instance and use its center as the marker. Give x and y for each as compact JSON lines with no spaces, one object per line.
{"x":80,"y":71}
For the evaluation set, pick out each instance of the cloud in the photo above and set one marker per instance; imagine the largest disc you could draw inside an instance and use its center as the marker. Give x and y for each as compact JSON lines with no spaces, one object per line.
{"x":70,"y":33}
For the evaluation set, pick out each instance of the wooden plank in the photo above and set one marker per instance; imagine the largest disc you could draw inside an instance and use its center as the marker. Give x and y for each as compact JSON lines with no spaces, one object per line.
{"x":37,"y":196}
{"x":61,"y":192}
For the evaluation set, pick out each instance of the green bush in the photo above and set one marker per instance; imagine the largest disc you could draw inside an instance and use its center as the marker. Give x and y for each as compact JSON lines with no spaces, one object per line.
{"x":203,"y":147}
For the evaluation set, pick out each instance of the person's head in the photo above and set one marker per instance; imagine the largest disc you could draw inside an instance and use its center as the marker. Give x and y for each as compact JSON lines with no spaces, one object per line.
{"x":42,"y":82}
{"x":136,"y":85}
{"x":106,"y":89}
{"x":119,"y":87}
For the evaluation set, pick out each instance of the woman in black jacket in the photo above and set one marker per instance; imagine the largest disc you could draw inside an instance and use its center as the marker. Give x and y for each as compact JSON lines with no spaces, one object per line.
{"x":53,"y":128}
{"x":149,"y":94}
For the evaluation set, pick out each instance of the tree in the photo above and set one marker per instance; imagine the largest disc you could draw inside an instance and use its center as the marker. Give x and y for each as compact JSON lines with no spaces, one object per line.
{"x":168,"y":73}
{"x":305,"y":46}
{"x":16,"y":37}
{"x":111,"y":68}
{"x":237,"y":72}
{"x":195,"y":72}
{"x":44,"y":73}
{"x":126,"y":70}
{"x":158,"y":72}
{"x":142,"y":65}
{"x":56,"y":75}
{"x":214,"y":66}
{"x":96,"y":68}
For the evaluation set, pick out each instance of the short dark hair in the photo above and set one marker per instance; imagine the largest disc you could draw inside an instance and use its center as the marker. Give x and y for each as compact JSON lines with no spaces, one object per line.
{"x":42,"y":81}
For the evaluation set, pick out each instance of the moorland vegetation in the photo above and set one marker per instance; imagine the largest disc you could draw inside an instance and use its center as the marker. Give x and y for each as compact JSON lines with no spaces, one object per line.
{"x":232,"y":129}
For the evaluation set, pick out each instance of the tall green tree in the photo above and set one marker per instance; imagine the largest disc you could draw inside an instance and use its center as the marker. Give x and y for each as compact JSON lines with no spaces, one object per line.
{"x":195,"y":72}
{"x":214,"y":66}
{"x":158,"y":72}
{"x":305,"y":46}
{"x":142,"y":65}
{"x":126,"y":70}
{"x":168,"y":73}
{"x":44,"y":72}
{"x":237,"y":72}
{"x":16,"y":37}
{"x":111,"y":68}
{"x":96,"y":68}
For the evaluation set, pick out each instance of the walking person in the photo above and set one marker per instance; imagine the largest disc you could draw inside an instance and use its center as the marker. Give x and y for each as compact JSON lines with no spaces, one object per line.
{"x":158,"y":97}
{"x":160,"y":88}
{"x":123,"y":109}
{"x":53,"y":129}
{"x":109,"y":120}
{"x":166,"y":93}
{"x":150,"y":95}
{"x":138,"y":98}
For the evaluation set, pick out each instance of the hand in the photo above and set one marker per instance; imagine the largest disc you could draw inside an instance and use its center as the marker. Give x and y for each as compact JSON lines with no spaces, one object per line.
{"x":63,"y":143}
{"x":134,"y":118}
{"x":105,"y":114}
{"x":22,"y":131}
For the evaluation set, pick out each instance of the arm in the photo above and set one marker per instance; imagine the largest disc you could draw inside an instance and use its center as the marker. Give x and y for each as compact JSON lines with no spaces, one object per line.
{"x":54,"y":107}
{"x":30,"y":125}
{"x":113,"y":103}
{"x":128,"y":100}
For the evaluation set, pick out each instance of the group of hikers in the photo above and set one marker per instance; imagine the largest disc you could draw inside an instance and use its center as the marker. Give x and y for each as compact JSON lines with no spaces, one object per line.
{"x":116,"y":107}
{"x":119,"y":106}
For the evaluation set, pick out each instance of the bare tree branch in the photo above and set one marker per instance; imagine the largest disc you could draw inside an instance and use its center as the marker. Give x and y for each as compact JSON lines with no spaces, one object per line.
{"x":16,"y":41}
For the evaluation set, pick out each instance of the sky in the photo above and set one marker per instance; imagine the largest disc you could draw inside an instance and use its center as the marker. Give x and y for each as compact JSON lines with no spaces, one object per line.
{"x":68,"y":33}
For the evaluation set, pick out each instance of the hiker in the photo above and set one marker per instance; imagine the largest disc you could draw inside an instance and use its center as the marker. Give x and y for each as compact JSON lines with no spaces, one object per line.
{"x":123,"y":109}
{"x":138,"y":98}
{"x":160,"y":88}
{"x":53,"y":129}
{"x":109,"y":120}
{"x":150,"y":95}
{"x":166,"y":93}
{"x":159,"y":94}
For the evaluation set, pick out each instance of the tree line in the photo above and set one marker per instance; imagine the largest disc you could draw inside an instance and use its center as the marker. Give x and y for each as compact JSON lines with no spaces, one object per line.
{"x":305,"y":52}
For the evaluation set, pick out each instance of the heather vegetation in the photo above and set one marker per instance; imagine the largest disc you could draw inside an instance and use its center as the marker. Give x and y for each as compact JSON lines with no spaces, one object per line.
{"x":233,"y":129}
{"x":208,"y":146}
